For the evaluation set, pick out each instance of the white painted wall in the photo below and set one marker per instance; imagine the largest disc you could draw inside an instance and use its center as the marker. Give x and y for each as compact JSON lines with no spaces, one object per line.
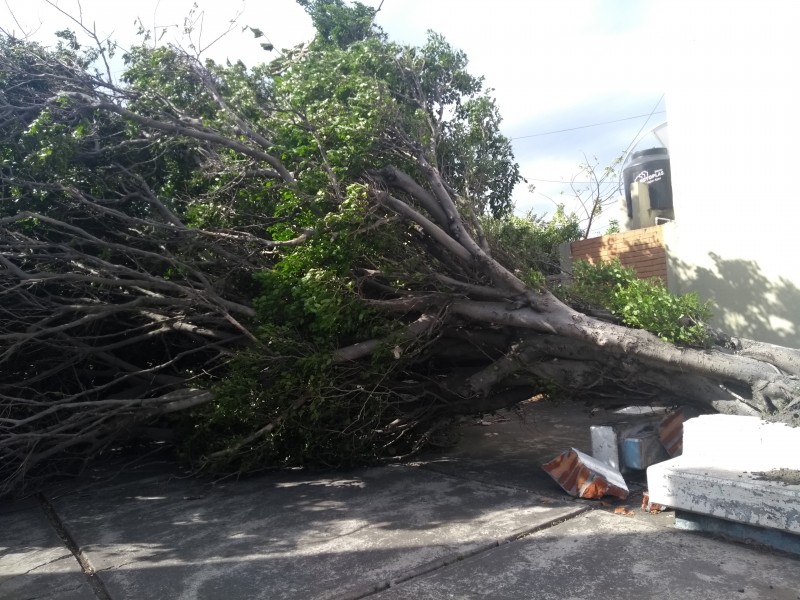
{"x":733,"y":104}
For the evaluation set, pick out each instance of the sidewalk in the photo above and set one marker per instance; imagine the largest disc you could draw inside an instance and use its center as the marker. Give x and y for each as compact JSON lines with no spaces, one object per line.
{"x":482,"y":520}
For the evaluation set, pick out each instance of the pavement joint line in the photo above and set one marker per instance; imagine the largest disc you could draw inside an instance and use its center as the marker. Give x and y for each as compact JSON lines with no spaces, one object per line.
{"x":441,"y":563}
{"x":92,"y":578}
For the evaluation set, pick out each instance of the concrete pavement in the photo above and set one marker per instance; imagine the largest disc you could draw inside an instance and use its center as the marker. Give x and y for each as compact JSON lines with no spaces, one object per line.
{"x":34,"y":561}
{"x":603,"y":555}
{"x":293,"y":536}
{"x":481,"y":520}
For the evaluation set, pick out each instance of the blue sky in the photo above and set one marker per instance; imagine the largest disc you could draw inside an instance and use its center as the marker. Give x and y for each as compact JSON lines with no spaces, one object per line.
{"x":553,"y":64}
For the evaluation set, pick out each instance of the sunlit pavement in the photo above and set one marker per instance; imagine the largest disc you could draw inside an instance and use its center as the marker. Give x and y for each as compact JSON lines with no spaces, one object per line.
{"x":479,"y":520}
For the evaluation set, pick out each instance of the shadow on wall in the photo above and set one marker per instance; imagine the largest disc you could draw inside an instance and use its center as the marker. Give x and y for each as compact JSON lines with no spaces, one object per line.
{"x":746,"y":302}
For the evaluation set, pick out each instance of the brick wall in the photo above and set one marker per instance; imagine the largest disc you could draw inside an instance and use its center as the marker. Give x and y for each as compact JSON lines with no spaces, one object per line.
{"x":642,"y":249}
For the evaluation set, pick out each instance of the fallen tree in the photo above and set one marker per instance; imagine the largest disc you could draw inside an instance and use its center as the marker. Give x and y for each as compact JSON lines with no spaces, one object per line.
{"x":289,"y":264}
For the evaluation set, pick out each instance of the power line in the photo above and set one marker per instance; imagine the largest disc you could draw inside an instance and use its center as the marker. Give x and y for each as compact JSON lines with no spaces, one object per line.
{"x":635,"y":140}
{"x":522,"y":137}
{"x":641,"y":129}
{"x":563,"y":181}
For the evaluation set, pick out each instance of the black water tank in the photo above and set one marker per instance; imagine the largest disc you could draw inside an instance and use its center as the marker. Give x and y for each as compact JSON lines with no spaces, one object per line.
{"x":650,"y":166}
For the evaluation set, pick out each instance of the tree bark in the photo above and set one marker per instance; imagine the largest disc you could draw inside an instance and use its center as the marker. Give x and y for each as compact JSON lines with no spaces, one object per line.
{"x":115,"y":305}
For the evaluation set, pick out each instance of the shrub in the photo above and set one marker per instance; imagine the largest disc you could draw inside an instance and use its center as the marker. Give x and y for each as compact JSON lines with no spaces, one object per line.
{"x":530,"y":244}
{"x":643,"y":303}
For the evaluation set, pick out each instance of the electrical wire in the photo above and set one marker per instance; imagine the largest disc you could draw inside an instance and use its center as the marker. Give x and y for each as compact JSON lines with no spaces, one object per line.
{"x":648,"y":115}
{"x":634,"y":141}
{"x":641,"y":129}
{"x":562,"y":181}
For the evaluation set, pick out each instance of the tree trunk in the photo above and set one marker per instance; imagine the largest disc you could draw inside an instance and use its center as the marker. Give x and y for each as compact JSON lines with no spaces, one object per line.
{"x":118,"y":303}
{"x":767,"y":374}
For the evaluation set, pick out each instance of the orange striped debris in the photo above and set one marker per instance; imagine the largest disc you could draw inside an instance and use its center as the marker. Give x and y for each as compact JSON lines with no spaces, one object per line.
{"x":583,"y":476}
{"x":670,"y":432}
{"x":652,"y":507}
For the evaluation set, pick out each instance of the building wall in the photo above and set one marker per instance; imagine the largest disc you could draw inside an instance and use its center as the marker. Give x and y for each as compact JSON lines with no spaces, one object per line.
{"x":734,"y":126}
{"x":642,"y":249}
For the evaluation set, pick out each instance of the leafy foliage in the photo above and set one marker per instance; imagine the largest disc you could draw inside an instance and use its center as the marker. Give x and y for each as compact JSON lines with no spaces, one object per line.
{"x":317,"y":413}
{"x":308,"y":262}
{"x":532,"y":243}
{"x":643,"y":303}
{"x":339,"y":24}
{"x":346,"y":106}
{"x":479,"y":159}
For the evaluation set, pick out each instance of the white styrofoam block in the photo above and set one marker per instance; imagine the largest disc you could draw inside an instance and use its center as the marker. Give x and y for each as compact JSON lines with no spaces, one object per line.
{"x":741,"y":443}
{"x":721,"y":440}
{"x":609,"y":444}
{"x":605,"y":445}
{"x":781,"y":439}
{"x":734,"y":495}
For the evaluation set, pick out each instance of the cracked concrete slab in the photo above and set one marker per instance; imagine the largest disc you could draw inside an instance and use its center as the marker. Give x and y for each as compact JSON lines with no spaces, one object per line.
{"x":292,"y":536}
{"x":431,"y":531}
{"x":34,"y":563}
{"x":598,"y":554}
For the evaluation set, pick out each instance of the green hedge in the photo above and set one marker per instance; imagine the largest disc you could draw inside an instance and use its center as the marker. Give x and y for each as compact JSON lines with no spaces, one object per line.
{"x":642,"y":303}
